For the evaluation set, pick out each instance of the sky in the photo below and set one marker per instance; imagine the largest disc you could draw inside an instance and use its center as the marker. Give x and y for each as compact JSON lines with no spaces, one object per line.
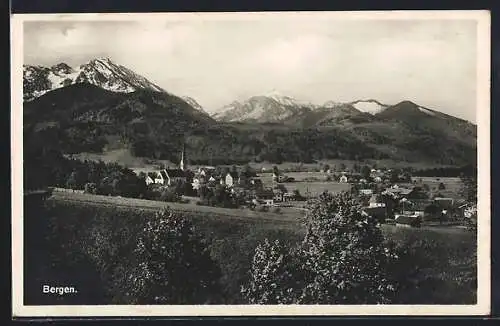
{"x":429,"y":62}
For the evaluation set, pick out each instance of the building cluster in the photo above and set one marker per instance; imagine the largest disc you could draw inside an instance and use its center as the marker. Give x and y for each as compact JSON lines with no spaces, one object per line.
{"x":244,"y":183}
{"x":408,"y":204}
{"x":385,"y":194}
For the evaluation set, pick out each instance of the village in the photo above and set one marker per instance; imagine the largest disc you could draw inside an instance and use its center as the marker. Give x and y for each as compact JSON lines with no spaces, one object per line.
{"x":393,"y":197}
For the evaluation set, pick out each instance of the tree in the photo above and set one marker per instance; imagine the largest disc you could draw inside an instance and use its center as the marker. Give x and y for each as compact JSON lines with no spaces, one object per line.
{"x":276,"y":170}
{"x":469,"y":188}
{"x":432,"y":209}
{"x":272,"y":275}
{"x":441,"y":186}
{"x":174,"y":264}
{"x":394,"y":176}
{"x":169,"y":195}
{"x":342,"y":260}
{"x":365,"y":172}
{"x":72,"y":182}
{"x":90,"y":188}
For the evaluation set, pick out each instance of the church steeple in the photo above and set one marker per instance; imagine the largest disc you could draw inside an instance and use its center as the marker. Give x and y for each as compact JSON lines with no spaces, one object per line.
{"x":183,"y":155}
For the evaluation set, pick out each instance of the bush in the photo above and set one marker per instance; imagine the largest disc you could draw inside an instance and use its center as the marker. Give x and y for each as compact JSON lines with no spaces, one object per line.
{"x":170,"y":196}
{"x":174,"y":264}
{"x":343,"y":259}
{"x":90,"y":188}
{"x":263,"y":208}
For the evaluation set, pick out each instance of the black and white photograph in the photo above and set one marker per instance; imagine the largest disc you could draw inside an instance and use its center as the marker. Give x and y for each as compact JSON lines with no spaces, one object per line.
{"x":232,"y":164}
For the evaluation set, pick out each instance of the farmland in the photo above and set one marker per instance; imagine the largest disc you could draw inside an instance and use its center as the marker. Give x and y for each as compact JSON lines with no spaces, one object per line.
{"x":309,"y":184}
{"x":452,"y":185}
{"x":288,"y":214}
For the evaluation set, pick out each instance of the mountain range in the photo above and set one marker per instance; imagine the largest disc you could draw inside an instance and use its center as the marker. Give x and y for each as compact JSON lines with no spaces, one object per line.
{"x":102,"y":72}
{"x":282,"y":108}
{"x":101,"y":105}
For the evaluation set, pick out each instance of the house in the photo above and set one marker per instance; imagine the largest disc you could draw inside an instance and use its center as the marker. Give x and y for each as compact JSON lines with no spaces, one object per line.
{"x":289,"y":196}
{"x":169,"y":177}
{"x":417,"y":193}
{"x":256,"y":183}
{"x":150,"y":178}
{"x":161,"y":177}
{"x":343,"y":179}
{"x":232,"y":178}
{"x":376,"y":174}
{"x":397,"y":191}
{"x":206,"y":170}
{"x":366,"y":192}
{"x":416,"y":207}
{"x":269,"y":202}
{"x":266,"y":197}
{"x":374,"y":202}
{"x":443,"y":202}
{"x":469,"y":211}
{"x":380,"y":213}
{"x":377,"y":179}
{"x":407,"y":220}
{"x":279,"y":196}
{"x":245,"y":177}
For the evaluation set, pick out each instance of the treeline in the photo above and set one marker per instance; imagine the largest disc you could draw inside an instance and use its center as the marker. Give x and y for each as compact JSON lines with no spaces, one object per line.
{"x":220,"y":145}
{"x":467,"y":170}
{"x":48,"y":167}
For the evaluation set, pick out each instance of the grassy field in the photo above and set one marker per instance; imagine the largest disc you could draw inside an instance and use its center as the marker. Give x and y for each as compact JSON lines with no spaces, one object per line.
{"x":286,"y":216}
{"x":452,"y":185}
{"x":309,"y":184}
{"x":443,"y":264}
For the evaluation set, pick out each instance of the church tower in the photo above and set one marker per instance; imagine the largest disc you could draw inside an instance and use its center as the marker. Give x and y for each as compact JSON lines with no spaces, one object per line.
{"x":183,"y":158}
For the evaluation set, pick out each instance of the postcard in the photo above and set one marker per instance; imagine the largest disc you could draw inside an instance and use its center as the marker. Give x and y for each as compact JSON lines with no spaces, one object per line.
{"x":251,"y":164}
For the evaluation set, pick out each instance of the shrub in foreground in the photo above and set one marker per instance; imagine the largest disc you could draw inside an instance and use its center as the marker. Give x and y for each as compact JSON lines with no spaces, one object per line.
{"x":343,"y":259}
{"x":174,"y":264}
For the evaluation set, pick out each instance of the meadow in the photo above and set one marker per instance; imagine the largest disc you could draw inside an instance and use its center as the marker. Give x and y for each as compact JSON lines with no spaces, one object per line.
{"x":123,"y":156}
{"x":452,"y":185}
{"x":437,"y":266}
{"x":309,"y":184}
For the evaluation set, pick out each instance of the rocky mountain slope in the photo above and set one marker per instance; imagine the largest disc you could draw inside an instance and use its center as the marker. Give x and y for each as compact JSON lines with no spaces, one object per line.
{"x":191,"y":101}
{"x":279,"y":108}
{"x":262,"y":108}
{"x":102,"y":72}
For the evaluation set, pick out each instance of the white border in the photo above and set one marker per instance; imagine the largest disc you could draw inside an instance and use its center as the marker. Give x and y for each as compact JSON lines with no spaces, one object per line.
{"x":483,"y":122}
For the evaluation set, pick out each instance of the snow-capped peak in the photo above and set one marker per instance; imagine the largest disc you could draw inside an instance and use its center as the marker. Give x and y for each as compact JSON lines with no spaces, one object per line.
{"x":101,"y":72}
{"x":331,"y":104}
{"x":191,"y":101}
{"x":369,"y":106}
{"x":426,"y":111}
{"x":285,"y":99}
